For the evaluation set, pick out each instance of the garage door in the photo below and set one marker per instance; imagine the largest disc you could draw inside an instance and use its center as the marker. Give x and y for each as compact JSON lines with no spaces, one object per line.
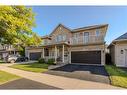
{"x":86,"y":57}
{"x":35,"y":55}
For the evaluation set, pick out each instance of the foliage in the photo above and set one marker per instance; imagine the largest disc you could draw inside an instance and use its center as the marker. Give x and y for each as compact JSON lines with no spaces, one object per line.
{"x":50,"y":61}
{"x":33,"y":67}
{"x":41,"y":60}
{"x":16,"y":23}
{"x":117,"y":76}
{"x":22,"y":52}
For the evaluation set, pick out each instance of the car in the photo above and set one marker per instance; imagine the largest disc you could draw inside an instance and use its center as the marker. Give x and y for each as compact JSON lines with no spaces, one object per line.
{"x":16,"y":58}
{"x":22,"y":59}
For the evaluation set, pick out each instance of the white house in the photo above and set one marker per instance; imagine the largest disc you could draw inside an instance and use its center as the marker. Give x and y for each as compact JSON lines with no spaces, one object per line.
{"x":118,"y":51}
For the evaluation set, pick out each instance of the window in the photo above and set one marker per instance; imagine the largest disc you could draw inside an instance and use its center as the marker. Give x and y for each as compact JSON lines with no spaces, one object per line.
{"x":75,"y":38}
{"x":97,"y":32}
{"x":58,"y":38}
{"x":64,"y":37}
{"x":86,"y":37}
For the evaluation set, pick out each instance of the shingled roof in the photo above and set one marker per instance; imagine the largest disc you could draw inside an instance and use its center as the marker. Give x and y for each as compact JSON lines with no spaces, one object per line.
{"x":122,"y":37}
{"x":90,"y":27}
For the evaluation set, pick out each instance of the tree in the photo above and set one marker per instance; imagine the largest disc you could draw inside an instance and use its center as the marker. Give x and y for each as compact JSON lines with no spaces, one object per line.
{"x":16,"y":23}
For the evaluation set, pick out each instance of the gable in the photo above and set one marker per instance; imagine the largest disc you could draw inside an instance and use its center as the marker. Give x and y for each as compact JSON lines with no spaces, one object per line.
{"x":60,"y":30}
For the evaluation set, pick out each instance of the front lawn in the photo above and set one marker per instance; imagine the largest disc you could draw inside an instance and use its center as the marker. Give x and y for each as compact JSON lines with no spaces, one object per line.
{"x":1,"y":61}
{"x":33,"y":67}
{"x":118,"y":76}
{"x":6,"y":77}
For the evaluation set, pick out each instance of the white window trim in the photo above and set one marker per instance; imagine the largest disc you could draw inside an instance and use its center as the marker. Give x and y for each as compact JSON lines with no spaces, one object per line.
{"x":86,"y":36}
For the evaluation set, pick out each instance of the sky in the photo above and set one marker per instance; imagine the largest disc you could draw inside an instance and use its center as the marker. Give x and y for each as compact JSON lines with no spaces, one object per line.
{"x":48,"y":17}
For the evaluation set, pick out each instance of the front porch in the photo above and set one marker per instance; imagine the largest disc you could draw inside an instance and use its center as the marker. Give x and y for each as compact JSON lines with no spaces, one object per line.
{"x":58,"y":52}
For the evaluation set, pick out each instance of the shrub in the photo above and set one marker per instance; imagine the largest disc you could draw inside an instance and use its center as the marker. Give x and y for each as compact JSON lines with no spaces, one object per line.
{"x":41,"y":60}
{"x":50,"y":61}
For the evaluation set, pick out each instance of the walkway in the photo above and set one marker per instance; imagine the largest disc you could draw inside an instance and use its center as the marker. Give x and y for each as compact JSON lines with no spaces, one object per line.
{"x":57,"y":81}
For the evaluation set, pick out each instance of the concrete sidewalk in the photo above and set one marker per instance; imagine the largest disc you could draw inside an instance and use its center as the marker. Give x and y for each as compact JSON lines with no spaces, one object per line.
{"x":57,"y":81}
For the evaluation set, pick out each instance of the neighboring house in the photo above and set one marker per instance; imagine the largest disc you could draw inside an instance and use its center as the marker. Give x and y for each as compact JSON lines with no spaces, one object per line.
{"x":82,"y":45}
{"x":106,"y":49}
{"x":118,"y":51}
{"x":6,"y":50}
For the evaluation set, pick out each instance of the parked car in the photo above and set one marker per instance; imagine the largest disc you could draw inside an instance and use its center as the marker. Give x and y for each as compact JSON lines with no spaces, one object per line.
{"x":22,"y":58}
{"x":15,"y":58}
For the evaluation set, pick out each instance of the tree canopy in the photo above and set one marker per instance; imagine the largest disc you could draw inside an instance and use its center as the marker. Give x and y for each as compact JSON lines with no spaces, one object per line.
{"x":16,"y":23}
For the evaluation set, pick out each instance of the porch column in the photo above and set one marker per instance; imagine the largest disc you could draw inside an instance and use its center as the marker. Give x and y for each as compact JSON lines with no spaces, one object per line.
{"x":28,"y":55}
{"x":69,"y":55}
{"x":63,"y":54}
{"x":43,"y":55}
{"x":55,"y":54}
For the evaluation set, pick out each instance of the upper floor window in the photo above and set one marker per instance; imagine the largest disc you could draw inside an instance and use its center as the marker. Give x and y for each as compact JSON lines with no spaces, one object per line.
{"x":76,"y":35}
{"x":86,"y":37}
{"x":64,"y":37}
{"x":97,"y":32}
{"x":60,"y":37}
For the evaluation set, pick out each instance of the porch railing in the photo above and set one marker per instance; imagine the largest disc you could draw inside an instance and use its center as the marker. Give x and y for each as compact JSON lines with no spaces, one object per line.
{"x":80,"y":40}
{"x":86,"y":39}
{"x":49,"y":57}
{"x":53,"y":57}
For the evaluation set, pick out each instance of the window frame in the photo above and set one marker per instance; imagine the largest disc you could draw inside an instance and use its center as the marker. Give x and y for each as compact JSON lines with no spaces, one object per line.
{"x":97,"y":32}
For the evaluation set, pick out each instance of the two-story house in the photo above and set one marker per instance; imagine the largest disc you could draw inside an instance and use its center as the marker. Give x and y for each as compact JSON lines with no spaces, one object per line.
{"x":82,"y":45}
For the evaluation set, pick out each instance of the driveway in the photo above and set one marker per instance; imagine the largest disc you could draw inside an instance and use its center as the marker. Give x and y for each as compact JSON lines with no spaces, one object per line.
{"x":83,"y":72}
{"x":58,"y":81}
{"x":25,"y":84}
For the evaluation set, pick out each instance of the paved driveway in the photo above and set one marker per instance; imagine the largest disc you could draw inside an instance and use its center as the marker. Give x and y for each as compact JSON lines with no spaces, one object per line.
{"x":25,"y":84}
{"x":83,"y":72}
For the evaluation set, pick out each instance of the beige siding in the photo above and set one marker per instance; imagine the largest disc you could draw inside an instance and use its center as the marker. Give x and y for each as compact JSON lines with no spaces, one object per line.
{"x":79,"y":39}
{"x":63,"y":31}
{"x":93,"y":31}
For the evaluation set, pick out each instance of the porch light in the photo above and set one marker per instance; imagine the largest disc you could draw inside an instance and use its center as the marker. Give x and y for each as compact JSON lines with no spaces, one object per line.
{"x":121,"y":51}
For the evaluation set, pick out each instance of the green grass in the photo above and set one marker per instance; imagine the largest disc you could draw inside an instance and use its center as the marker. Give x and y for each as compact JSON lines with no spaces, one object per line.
{"x":6,"y":77}
{"x":118,"y":76}
{"x":1,"y":61}
{"x":33,"y":67}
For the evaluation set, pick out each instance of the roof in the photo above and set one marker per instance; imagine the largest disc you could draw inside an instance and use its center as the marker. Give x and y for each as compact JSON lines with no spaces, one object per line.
{"x":59,"y":26}
{"x":90,"y":27}
{"x":122,"y":37}
{"x":119,"y":39}
{"x":47,"y":36}
{"x":77,"y":29}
